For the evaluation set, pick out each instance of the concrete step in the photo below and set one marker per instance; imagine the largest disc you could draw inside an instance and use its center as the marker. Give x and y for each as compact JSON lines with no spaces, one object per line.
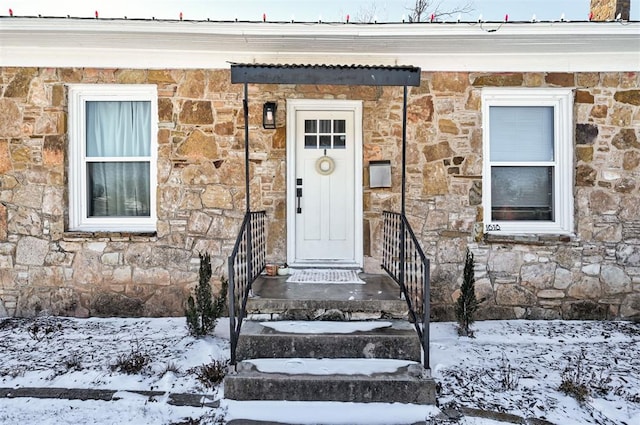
{"x":391,"y":339}
{"x":275,"y":299}
{"x":347,"y":380}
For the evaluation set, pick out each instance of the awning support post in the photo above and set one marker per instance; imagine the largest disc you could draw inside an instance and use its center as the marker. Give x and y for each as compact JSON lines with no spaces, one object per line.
{"x":245,"y":104}
{"x":404,"y":150}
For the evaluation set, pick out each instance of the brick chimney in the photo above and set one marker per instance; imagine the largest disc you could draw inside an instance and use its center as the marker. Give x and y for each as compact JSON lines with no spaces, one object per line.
{"x":607,"y":10}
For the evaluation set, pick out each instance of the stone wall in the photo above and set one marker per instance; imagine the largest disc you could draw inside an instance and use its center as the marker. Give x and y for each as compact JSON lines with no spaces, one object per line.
{"x":201,"y":194}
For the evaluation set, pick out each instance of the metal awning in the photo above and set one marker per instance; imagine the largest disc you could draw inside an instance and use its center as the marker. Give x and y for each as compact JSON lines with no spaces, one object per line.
{"x":350,"y":75}
{"x":353,"y":75}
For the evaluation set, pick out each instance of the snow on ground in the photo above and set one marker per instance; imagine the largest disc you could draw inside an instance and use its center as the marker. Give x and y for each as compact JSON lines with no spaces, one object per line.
{"x":131,"y":410}
{"x":517,"y":367}
{"x":510,"y":366}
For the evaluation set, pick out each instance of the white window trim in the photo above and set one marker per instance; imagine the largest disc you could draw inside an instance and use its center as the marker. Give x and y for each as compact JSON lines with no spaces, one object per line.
{"x":562,"y":102}
{"x":79,"y":94}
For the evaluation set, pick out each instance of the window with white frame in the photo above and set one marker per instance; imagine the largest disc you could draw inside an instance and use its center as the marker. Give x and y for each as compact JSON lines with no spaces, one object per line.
{"x":112,"y":157}
{"x":528,"y":160}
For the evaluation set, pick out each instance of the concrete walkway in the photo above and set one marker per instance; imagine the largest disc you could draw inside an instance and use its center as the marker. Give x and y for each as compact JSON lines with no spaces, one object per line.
{"x":174,"y":399}
{"x":448,"y":416}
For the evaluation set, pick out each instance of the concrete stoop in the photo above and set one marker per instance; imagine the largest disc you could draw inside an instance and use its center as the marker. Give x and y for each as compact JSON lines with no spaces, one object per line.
{"x":329,"y":342}
{"x":392,"y":340}
{"x":330,"y":361}
{"x":282,"y":309}
{"x":274,"y":299}
{"x":404,"y":385}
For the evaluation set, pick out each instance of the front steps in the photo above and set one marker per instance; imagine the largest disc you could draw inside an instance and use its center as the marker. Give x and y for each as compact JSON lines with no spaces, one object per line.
{"x":387,"y":340}
{"x":400,"y":383}
{"x":345,"y":360}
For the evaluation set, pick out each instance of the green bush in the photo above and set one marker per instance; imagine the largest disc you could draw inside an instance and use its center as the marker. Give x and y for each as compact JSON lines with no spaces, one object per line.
{"x":467,"y":303}
{"x":203,"y":311}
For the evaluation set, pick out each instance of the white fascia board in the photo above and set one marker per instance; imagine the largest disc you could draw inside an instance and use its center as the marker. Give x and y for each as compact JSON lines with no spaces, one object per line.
{"x":539,"y":47}
{"x":149,"y":59}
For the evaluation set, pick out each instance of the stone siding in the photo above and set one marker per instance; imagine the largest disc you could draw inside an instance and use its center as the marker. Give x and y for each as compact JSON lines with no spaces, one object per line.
{"x":43,"y":267}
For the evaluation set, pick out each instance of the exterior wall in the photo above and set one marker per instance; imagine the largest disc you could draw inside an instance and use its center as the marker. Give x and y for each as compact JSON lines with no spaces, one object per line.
{"x":594,"y":274}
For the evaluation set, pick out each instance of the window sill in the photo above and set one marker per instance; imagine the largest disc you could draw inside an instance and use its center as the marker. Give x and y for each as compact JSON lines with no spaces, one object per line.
{"x":528,"y":239}
{"x":72,"y":236}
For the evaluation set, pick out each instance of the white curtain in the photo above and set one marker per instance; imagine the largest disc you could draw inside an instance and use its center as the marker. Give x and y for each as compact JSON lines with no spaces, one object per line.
{"x":118,"y":129}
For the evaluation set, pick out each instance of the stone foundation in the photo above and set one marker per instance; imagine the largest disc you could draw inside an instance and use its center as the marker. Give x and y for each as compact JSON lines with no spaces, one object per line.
{"x":44,"y":268}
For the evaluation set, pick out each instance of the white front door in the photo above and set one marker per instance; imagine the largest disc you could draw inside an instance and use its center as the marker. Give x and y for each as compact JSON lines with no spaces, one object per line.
{"x":324,"y":184}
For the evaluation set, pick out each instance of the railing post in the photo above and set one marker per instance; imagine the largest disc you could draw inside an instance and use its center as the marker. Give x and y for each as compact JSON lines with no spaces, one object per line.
{"x":401,"y":274}
{"x":249,"y":250}
{"x":426,"y":311}
{"x":232,"y":311}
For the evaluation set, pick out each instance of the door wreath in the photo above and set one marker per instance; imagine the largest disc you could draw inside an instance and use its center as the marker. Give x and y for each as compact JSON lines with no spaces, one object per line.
{"x":325,"y":165}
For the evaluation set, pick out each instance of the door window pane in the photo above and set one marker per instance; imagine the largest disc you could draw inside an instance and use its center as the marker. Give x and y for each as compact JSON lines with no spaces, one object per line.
{"x":339,"y":142}
{"x":325,"y":142}
{"x":521,"y":133}
{"x":339,"y":126}
{"x":310,"y":142}
{"x":325,"y":126}
{"x":310,"y":126}
{"x":522,"y":193}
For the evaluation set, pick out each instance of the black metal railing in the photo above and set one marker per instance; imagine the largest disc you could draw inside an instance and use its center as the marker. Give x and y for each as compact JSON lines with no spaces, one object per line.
{"x":405,"y":262}
{"x":246,"y":262}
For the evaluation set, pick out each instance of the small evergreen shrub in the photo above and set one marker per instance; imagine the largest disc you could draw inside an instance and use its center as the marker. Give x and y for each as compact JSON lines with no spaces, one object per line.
{"x":203,"y":311}
{"x":467,"y":303}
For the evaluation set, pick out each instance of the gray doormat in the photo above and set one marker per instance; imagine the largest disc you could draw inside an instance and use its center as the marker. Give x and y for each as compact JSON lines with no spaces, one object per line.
{"x":324,"y":276}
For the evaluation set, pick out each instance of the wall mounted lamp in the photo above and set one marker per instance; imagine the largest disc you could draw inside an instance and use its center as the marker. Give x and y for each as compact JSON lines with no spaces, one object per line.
{"x":269,"y":114}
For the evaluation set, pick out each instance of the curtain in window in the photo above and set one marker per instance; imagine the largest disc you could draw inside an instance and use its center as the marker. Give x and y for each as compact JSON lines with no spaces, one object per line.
{"x":118,"y":129}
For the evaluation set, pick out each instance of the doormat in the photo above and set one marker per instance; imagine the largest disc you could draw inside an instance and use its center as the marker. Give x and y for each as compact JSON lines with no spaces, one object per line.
{"x":324,"y":276}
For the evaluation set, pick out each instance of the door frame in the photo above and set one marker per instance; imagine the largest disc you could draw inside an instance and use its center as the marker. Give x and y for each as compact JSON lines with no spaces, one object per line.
{"x":293,"y":106}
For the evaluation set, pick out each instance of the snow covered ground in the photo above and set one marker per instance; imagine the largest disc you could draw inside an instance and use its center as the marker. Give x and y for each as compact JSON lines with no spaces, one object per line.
{"x":511,"y":366}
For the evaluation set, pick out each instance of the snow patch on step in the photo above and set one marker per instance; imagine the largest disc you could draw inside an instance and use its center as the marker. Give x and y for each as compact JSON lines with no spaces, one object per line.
{"x":301,"y":366}
{"x":323,"y":327}
{"x":329,"y":412}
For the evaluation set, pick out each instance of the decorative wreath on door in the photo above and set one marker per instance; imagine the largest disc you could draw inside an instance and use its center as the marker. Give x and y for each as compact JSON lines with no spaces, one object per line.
{"x":325,"y":165}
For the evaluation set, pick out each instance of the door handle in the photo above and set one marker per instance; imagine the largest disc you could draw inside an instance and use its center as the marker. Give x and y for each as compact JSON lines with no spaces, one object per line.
{"x":298,"y":196}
